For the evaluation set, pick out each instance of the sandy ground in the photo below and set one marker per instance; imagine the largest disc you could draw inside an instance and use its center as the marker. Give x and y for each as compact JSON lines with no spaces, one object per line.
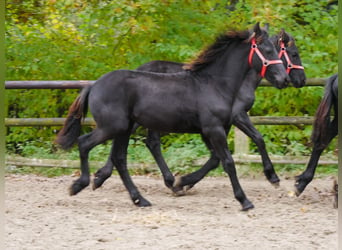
{"x":41,"y":215}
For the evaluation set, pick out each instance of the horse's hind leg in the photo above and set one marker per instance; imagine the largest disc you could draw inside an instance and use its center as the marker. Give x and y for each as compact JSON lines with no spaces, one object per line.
{"x":153,"y":144}
{"x":306,"y":177}
{"x":188,"y":181}
{"x":85,"y":144}
{"x":119,"y":159}
{"x":105,"y":172}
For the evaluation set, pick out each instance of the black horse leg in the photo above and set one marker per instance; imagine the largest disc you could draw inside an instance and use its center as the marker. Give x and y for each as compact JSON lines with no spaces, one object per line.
{"x":85,"y":144}
{"x":217,"y":137}
{"x":105,"y":172}
{"x":243,"y":122}
{"x":306,"y":177}
{"x":189,"y":180}
{"x":119,"y":159}
{"x":153,"y":144}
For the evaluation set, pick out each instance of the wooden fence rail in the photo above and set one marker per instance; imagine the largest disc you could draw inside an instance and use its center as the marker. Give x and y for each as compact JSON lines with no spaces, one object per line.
{"x":82,"y":83}
{"x":241,"y":140}
{"x":257,"y":120}
{"x":15,"y":161}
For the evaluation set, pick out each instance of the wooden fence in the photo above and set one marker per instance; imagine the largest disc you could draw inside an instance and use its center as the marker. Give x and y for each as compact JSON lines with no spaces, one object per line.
{"x":241,"y":141}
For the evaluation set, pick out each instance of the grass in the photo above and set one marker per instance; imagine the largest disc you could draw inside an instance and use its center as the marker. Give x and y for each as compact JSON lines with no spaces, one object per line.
{"x":245,"y":170}
{"x":180,"y":157}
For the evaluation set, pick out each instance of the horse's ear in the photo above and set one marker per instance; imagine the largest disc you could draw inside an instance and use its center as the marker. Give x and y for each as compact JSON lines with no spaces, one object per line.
{"x":266,"y":27}
{"x":257,"y":33}
{"x":284,"y":37}
{"x":257,"y":29}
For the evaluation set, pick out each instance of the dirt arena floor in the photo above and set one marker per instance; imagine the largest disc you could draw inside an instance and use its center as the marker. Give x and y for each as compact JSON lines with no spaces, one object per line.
{"x":41,"y":215}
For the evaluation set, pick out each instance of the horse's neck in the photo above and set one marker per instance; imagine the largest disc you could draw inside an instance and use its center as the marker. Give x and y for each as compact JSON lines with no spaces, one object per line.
{"x":246,"y":94}
{"x":232,"y":65}
{"x":251,"y":81}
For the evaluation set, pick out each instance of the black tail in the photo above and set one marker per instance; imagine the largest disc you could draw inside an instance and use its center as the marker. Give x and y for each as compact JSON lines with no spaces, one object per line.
{"x":71,"y":130}
{"x":322,"y":117}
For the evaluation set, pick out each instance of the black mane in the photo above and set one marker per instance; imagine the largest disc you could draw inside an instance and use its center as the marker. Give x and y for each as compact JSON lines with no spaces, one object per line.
{"x":221,"y":43}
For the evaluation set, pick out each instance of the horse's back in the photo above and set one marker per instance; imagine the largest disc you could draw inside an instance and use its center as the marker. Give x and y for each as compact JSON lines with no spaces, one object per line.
{"x":174,"y":102}
{"x":161,"y":67}
{"x":141,"y":96}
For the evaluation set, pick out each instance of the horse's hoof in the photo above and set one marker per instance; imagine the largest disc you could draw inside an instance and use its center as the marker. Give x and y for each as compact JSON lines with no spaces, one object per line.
{"x":276,"y":184}
{"x":97,"y":182}
{"x":75,"y":189}
{"x":100,"y":177}
{"x":297,"y":191}
{"x":71,"y":191}
{"x":299,"y":188}
{"x":273,"y":179}
{"x":142,"y":202}
{"x":78,"y":186}
{"x":177,"y":187}
{"x":178,"y":192}
{"x":169,"y":182}
{"x":247,"y":205}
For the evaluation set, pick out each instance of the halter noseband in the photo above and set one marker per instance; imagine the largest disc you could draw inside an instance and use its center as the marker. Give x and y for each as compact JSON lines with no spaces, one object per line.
{"x":265,"y":62}
{"x":290,"y":65}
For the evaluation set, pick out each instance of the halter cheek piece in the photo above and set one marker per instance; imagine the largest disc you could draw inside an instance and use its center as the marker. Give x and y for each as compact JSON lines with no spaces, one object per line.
{"x":290,"y":65}
{"x":265,"y":62}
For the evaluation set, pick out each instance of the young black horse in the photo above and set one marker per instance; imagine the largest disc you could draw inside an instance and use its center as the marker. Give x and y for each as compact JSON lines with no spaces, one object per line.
{"x":324,"y":130}
{"x":288,"y":52}
{"x":199,"y":100}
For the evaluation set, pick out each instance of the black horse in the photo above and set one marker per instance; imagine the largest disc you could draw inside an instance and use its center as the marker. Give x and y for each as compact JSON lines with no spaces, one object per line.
{"x":324,"y":130}
{"x":198,"y":100}
{"x":288,"y":52}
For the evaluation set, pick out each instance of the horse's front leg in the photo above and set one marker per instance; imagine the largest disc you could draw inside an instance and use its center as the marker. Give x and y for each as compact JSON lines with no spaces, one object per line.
{"x":243,"y":122}
{"x":186,"y":182}
{"x":119,"y":159}
{"x":153,"y":144}
{"x":217,"y":137}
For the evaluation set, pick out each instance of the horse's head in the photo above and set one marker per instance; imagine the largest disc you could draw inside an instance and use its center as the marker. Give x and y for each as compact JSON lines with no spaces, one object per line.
{"x":263,"y":57}
{"x":288,"y":53}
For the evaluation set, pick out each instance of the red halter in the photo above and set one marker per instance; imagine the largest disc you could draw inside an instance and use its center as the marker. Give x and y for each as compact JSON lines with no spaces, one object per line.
{"x":290,"y":65}
{"x":265,"y":62}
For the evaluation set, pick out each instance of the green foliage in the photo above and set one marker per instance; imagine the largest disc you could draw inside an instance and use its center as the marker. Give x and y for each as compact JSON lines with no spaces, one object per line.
{"x":77,"y":40}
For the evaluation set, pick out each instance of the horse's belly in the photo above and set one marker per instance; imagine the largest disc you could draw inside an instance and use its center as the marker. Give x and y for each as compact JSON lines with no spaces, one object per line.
{"x":164,"y":121}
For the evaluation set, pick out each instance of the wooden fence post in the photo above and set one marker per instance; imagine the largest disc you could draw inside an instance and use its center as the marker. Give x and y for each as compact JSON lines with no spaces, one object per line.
{"x":241,"y":142}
